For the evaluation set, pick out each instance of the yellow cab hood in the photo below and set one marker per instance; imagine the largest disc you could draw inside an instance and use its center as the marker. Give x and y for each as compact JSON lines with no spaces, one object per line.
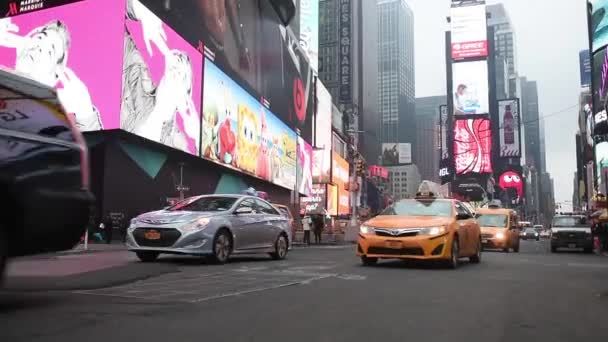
{"x":397,"y":221}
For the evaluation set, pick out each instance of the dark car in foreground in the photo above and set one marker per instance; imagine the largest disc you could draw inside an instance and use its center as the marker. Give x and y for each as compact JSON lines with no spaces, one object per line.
{"x":571,"y":231}
{"x":45,"y":199}
{"x":216,"y":226}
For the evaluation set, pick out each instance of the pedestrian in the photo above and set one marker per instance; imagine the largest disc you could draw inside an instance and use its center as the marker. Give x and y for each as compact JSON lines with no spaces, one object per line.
{"x":307,"y":225}
{"x":319,"y":225}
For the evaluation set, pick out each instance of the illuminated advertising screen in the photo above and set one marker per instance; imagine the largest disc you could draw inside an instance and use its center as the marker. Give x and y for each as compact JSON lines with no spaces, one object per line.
{"x":469,"y":32}
{"x":601,"y":163}
{"x":304,"y":170}
{"x":162,"y":79}
{"x":600,"y":90}
{"x":584,"y":59}
{"x":599,"y":24}
{"x":472,"y":146}
{"x":512,"y":180}
{"x":240,"y":133}
{"x":509,"y":121}
{"x":470,"y":87}
{"x":309,"y":30}
{"x":332,"y":200}
{"x":321,"y":166}
{"x":378,"y":171}
{"x":323,"y":135}
{"x":316,"y":202}
{"x":60,"y":44}
{"x":396,"y":154}
{"x":340,"y":178}
{"x":248,"y":43}
{"x":443,"y":131}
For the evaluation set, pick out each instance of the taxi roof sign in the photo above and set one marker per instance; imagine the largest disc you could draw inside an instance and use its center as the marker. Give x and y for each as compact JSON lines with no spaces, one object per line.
{"x":425,"y":190}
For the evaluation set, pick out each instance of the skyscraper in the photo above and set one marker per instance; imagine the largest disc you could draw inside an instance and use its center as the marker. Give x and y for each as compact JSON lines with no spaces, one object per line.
{"x":353,"y":85}
{"x":504,"y":42}
{"x":396,"y":78}
{"x":426,"y":152}
{"x":531,"y":121}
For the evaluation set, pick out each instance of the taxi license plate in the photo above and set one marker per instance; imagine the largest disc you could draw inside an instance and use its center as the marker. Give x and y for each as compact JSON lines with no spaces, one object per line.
{"x":484,"y":241}
{"x":393,"y":244}
{"x":571,"y":245}
{"x":152,"y":235}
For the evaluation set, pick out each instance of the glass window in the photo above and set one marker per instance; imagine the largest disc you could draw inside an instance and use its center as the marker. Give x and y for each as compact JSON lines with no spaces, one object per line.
{"x":420,"y":208}
{"x":248,"y":203}
{"x":266,"y":208}
{"x":207,"y":203}
{"x":492,"y":220}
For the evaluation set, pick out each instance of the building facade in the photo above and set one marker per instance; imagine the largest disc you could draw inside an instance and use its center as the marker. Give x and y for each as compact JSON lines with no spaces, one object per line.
{"x":403,"y":181}
{"x":426,"y":151}
{"x":504,"y":42}
{"x":396,"y":77}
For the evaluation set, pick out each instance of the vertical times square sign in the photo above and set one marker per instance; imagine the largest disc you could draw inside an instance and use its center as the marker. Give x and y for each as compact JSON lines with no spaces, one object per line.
{"x":345,"y":51}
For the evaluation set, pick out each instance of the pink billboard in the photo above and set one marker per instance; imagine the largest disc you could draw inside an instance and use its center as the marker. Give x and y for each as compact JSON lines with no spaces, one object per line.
{"x":304,"y":167}
{"x":76,"y":48}
{"x":162,"y":80}
{"x":472,"y":146}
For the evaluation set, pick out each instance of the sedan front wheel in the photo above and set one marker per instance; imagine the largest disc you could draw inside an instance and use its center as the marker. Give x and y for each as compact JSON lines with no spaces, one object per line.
{"x":280,"y":248}
{"x":222,"y":247}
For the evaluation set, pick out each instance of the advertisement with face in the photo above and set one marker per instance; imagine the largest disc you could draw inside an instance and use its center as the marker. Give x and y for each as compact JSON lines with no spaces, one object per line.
{"x":470,"y":84}
{"x":472,"y":146}
{"x":304,"y":171}
{"x":309,"y":30}
{"x":508,"y":118}
{"x":396,"y":154}
{"x":599,"y":24}
{"x":162,"y":78}
{"x":321,"y":166}
{"x":316,"y":202}
{"x":469,"y":33}
{"x":240,"y":133}
{"x":340,"y":178}
{"x":54,"y":44}
{"x":332,"y":200}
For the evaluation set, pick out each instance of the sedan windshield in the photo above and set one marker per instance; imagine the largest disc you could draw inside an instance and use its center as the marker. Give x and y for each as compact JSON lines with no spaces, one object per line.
{"x":530,"y":230}
{"x":420,"y":208}
{"x":570,"y":221}
{"x":492,"y":220}
{"x":216,"y":203}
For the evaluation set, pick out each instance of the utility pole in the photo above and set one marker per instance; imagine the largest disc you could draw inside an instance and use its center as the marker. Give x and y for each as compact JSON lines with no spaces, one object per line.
{"x":181,"y":188}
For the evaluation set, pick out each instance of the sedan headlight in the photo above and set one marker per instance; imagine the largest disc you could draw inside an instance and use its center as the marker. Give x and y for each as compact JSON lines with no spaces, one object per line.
{"x":535,"y":234}
{"x":365,"y":229}
{"x":500,"y":235}
{"x":197,"y":225}
{"x":432,"y":231}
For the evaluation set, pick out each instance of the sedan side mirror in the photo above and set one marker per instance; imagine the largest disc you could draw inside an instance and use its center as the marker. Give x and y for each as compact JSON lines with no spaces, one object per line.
{"x":243,"y":211}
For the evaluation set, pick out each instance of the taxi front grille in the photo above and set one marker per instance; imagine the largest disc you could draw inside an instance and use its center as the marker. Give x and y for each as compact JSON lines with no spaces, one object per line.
{"x":395,"y":251}
{"x":396,"y":232}
{"x":487,"y":236}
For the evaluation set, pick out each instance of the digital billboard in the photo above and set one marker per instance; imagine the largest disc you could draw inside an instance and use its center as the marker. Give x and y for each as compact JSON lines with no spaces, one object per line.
{"x":161,"y":82}
{"x":316,"y":203}
{"x":240,"y":133}
{"x":321,"y":166}
{"x":468,"y":31}
{"x":309,"y":30}
{"x":584,"y":59}
{"x":601,"y":164}
{"x":53,"y":43}
{"x":323,"y":135}
{"x":472,"y":146}
{"x":600,"y":90}
{"x":378,"y":171}
{"x":249,"y":43}
{"x":470,"y":86}
{"x":509,"y":121}
{"x":340,"y":177}
{"x":396,"y":154}
{"x":512,"y":180}
{"x":332,"y":200}
{"x":599,"y":24}
{"x":304,"y":170}
{"x":443,"y":131}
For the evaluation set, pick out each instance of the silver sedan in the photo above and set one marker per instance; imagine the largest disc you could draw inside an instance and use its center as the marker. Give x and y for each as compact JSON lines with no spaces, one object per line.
{"x":212,"y":225}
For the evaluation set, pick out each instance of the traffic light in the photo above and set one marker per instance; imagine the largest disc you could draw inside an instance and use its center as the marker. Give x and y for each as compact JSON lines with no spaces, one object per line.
{"x":359,"y":166}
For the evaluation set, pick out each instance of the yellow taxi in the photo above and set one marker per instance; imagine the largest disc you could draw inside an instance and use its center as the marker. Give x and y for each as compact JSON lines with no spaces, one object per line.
{"x":425,"y":227}
{"x":499,"y":228}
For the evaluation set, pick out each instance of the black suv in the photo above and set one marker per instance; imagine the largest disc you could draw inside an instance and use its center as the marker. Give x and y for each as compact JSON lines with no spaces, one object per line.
{"x":45,"y":201}
{"x":571,"y":231}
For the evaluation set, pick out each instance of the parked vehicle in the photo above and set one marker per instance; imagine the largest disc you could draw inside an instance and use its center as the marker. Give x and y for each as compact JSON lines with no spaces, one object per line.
{"x":217,"y":226}
{"x":44,"y":175}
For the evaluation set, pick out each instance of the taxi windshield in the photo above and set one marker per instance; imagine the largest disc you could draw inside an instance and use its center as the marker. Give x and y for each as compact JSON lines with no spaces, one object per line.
{"x":492,"y":220}
{"x":420,"y":208}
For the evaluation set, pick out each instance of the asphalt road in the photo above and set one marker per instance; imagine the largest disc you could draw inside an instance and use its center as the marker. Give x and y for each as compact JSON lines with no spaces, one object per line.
{"x":323,"y":294}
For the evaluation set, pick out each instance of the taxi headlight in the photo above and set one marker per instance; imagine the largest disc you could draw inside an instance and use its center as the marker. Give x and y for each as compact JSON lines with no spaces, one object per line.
{"x":199,"y":224}
{"x":500,"y":235}
{"x":432,"y":231}
{"x":365,"y":229}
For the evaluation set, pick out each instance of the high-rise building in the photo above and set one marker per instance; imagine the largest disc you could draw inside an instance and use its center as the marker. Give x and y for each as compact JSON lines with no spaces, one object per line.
{"x":531,"y":122}
{"x":504,"y":42}
{"x":349,"y":72}
{"x":426,"y":152}
{"x":396,"y":78}
{"x":403,"y":181}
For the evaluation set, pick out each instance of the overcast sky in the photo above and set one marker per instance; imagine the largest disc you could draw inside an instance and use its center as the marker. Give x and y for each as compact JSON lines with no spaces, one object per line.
{"x":550,"y":34}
